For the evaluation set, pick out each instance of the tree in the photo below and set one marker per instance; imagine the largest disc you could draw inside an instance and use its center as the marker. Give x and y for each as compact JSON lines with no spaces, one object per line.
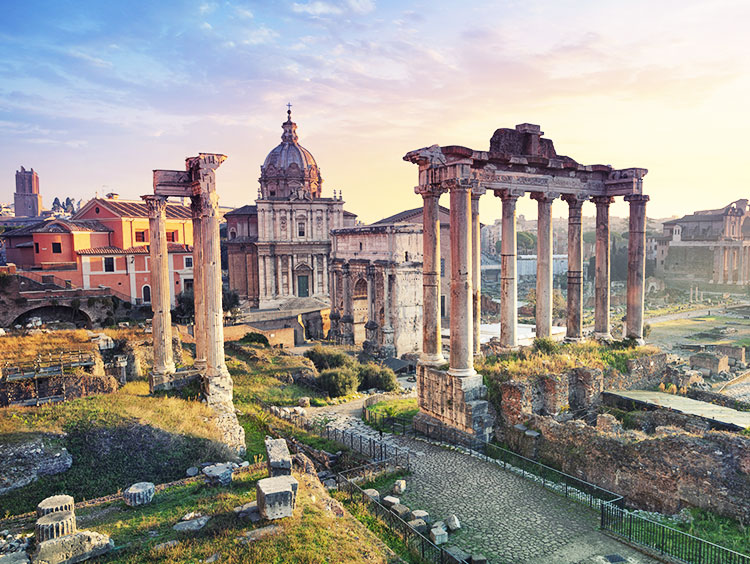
{"x":559,"y":304}
{"x":56,"y":205}
{"x":526,"y":243}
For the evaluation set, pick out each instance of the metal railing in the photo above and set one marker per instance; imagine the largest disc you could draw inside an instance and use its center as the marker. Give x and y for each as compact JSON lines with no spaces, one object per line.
{"x":625,"y":524}
{"x":666,"y":540}
{"x":46,"y":365}
{"x":418,"y":544}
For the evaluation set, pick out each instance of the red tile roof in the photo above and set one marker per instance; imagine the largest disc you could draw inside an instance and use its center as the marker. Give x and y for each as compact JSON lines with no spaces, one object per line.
{"x":139,"y":250}
{"x":58,"y":225}
{"x":138,"y":209}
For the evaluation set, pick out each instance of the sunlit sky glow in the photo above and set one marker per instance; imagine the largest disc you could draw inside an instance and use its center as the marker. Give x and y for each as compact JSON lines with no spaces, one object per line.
{"x":94,"y":95}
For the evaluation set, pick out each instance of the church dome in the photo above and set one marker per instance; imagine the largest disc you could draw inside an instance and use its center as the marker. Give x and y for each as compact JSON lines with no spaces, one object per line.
{"x":290,"y":170}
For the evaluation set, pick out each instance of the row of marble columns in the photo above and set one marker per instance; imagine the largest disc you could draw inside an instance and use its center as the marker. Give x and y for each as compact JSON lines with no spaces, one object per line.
{"x":207,"y":290}
{"x":732,"y":265}
{"x":271,"y":274}
{"x":465,"y":317}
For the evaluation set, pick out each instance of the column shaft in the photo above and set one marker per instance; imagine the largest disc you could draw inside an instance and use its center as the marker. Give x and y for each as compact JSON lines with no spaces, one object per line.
{"x":636,"y":266}
{"x":508,"y":282}
{"x":199,"y":288}
{"x":476,"y":271}
{"x":160,"y":300}
{"x":315,"y":275}
{"x":432,"y":348}
{"x":575,"y":270}
{"x":543,"y":265}
{"x":601,"y":319}
{"x":461,"y":322}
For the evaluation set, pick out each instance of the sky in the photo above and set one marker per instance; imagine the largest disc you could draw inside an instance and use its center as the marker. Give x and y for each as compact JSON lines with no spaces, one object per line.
{"x":95,"y":95}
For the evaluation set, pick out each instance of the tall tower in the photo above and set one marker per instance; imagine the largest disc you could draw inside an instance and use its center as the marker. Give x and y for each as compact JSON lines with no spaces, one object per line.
{"x":27,"y":199}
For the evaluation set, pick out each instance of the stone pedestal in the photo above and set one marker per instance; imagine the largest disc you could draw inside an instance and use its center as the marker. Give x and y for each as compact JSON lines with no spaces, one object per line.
{"x":459,"y":403}
{"x":77,"y":547}
{"x":276,"y":497}
{"x":279,"y":459}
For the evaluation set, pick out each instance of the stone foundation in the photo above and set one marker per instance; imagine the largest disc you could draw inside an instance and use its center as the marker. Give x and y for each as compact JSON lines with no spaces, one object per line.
{"x":174,"y":380}
{"x":458,"y":403}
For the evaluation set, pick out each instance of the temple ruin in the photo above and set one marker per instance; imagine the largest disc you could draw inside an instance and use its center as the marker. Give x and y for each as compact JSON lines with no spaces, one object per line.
{"x":197,"y":182}
{"x":519,"y":161}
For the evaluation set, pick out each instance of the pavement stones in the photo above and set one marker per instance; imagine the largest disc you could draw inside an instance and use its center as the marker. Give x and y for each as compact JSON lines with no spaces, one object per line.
{"x":140,"y":493}
{"x":457,"y":555}
{"x":389,"y":501}
{"x":478,"y":559}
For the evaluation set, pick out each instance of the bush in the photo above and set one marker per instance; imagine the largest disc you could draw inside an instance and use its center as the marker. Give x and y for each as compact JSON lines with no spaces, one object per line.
{"x":337,"y":382}
{"x":323,"y":359}
{"x":373,"y":376}
{"x":545,"y":345}
{"x":254,"y":338}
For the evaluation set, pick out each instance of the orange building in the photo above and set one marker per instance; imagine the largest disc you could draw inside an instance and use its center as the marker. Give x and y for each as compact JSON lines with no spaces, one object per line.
{"x":106,"y":244}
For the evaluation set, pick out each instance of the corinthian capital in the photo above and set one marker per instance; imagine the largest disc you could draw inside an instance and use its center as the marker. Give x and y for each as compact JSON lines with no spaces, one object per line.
{"x":157,"y":205}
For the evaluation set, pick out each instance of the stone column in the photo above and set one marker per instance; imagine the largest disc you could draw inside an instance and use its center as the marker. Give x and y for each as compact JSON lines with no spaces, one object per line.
{"x":544,"y":263}
{"x":291,"y":275}
{"x":575,"y":269}
{"x":476,"y":267}
{"x":601,"y":319}
{"x":315,"y":275}
{"x":462,"y":324}
{"x":199,"y":288}
{"x":262,"y":276}
{"x":508,"y":282}
{"x":327,"y":289}
{"x":161,"y":324}
{"x":636,"y":266}
{"x":347,"y":320}
{"x":432,"y":347}
{"x":279,"y":288}
{"x":388,"y":348}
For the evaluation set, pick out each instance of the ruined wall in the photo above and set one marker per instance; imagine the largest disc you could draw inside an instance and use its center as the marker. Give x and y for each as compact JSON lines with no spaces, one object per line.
{"x":643,"y":373}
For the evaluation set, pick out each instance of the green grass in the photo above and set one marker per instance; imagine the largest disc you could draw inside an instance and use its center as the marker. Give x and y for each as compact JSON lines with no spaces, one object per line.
{"x":404,"y":409}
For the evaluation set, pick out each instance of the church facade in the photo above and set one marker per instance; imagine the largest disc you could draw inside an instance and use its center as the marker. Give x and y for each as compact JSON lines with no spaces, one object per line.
{"x":279,"y":249}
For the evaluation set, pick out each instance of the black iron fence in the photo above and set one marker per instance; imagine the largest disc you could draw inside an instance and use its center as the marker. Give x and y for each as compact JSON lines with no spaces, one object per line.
{"x":419,"y":545}
{"x":665,"y":539}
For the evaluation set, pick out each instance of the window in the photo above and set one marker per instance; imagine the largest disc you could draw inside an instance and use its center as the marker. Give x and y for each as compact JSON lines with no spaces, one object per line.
{"x":406,"y":256}
{"x":57,"y":248}
{"x":140,"y":236}
{"x":188,"y":262}
{"x":442,"y":267}
{"x":360,"y":245}
{"x":232,"y":234}
{"x":109,"y":264}
{"x":188,"y":285}
{"x":147,"y":294}
{"x":301,"y":229}
{"x":36,"y":248}
{"x":96,"y":209}
{"x":442,"y":306}
{"x":172,"y":236}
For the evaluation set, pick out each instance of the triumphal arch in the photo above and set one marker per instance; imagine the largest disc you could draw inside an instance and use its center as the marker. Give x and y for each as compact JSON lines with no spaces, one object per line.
{"x":519,"y":162}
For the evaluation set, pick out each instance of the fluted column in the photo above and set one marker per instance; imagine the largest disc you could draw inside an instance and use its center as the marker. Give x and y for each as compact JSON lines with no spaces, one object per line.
{"x":544,"y":263}
{"x":161,"y":324}
{"x":476,"y":267}
{"x":347,"y":320}
{"x":461,"y":322}
{"x":199,"y":287}
{"x":315,"y":275}
{"x":327,"y":287}
{"x":388,"y":348}
{"x":636,"y":266}
{"x":575,"y":269}
{"x":432,"y":348}
{"x":601,"y":315}
{"x":508,"y":279}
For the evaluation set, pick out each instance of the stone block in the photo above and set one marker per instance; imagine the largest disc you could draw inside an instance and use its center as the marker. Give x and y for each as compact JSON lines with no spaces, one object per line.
{"x":419,"y":525}
{"x":54,"y":504}
{"x":248,"y":511}
{"x":374,"y":494}
{"x":421,"y":514}
{"x":714,"y":363}
{"x":219,"y":474}
{"x":400,"y":510}
{"x":71,"y":549}
{"x":279,"y":459}
{"x":191,"y":525}
{"x":478,"y":559}
{"x":304,"y":401}
{"x":192,"y":471}
{"x":452,"y":523}
{"x":438,"y":536}
{"x":140,"y":493}
{"x":54,"y":525}
{"x":276,"y":497}
{"x":389,"y":501}
{"x":399,"y":487}
{"x":455,"y":555}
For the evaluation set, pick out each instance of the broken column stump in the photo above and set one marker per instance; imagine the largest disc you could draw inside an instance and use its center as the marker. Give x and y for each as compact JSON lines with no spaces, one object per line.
{"x":279,"y":459}
{"x":276,"y":496}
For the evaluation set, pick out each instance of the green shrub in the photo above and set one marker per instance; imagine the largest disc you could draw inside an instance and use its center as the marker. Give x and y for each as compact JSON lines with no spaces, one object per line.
{"x":545,"y":345}
{"x":254,"y":338}
{"x":373,"y":376}
{"x":323,"y":359}
{"x":339,"y":381}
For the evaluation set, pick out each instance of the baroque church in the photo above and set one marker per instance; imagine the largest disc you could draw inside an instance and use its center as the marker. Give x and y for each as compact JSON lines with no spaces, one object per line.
{"x":279,"y":248}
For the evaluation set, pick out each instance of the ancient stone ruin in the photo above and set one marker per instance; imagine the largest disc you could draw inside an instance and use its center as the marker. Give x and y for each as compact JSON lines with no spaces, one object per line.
{"x":197,"y":182}
{"x":519,"y":160}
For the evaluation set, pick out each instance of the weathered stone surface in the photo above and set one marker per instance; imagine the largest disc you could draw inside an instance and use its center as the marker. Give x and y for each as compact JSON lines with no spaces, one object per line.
{"x":456,"y":555}
{"x":304,"y":401}
{"x":400,"y":510}
{"x":438,"y":536}
{"x":452,"y":523}
{"x":24,"y":463}
{"x":140,"y":493}
{"x":399,"y":487}
{"x":256,"y":534}
{"x":219,"y":474}
{"x":279,"y":459}
{"x":15,"y":558}
{"x":55,"y":503}
{"x":716,"y":363}
{"x":192,"y":525}
{"x":73,"y":548}
{"x":421,"y":514}
{"x":419,"y":525}
{"x":192,"y":471}
{"x":389,"y":501}
{"x":248,"y":511}
{"x":166,"y":545}
{"x":54,"y":525}
{"x":276,"y":496}
{"x":373,"y":494}
{"x":478,"y":559}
